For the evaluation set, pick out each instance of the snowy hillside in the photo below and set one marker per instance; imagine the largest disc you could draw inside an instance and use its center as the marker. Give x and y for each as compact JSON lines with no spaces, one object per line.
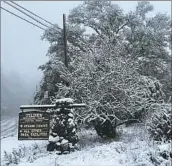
{"x":132,"y":147}
{"x":8,"y":126}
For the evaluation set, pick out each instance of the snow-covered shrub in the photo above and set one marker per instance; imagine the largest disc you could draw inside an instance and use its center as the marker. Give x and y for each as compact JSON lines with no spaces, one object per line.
{"x":161,"y":153}
{"x":111,"y":87}
{"x":30,"y":153}
{"x":13,"y":157}
{"x":63,"y":136}
{"x":106,"y":68}
{"x":160,"y":122}
{"x":7,"y":158}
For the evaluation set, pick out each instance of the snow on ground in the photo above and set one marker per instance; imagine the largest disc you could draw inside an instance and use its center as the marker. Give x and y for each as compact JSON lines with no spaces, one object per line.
{"x":132,"y":147}
{"x":10,"y":143}
{"x":8,"y":126}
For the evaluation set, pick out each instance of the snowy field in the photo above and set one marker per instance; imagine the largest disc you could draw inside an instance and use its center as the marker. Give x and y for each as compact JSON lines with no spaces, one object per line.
{"x":132,"y":147}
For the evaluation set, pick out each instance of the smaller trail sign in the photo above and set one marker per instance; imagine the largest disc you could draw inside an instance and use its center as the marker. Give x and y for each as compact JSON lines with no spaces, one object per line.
{"x":33,"y":125}
{"x":46,"y":95}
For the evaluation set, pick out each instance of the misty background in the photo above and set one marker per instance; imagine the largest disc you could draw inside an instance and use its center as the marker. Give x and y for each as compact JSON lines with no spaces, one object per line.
{"x":23,"y":51}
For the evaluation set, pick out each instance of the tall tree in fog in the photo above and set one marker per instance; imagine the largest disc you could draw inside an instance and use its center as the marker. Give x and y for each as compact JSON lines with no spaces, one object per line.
{"x":145,"y":40}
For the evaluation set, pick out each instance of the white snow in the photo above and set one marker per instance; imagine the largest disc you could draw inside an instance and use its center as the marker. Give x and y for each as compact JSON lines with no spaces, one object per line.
{"x":68,"y":100}
{"x":70,"y":115}
{"x":8,"y":126}
{"x":54,"y":139}
{"x":132,"y":147}
{"x":164,"y":147}
{"x":64,"y":141}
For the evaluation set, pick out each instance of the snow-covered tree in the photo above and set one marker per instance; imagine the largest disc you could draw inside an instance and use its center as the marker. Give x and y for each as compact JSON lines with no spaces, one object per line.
{"x":145,"y":39}
{"x":117,"y":69}
{"x":111,"y":86}
{"x":160,"y":122}
{"x":54,"y":69}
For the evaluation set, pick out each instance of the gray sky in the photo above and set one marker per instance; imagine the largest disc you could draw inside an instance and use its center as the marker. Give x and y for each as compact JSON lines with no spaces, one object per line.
{"x":21,"y":47}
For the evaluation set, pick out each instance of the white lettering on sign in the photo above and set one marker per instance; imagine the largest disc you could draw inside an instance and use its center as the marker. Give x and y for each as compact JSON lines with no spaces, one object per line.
{"x":38,"y":134}
{"x":41,"y":125}
{"x":29,"y":126}
{"x":36,"y":130}
{"x":25,"y":134}
{"x":34,"y":115}
{"x":33,"y":125}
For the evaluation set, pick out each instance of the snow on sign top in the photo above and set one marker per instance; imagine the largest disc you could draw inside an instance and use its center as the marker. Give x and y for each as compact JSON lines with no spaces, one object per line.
{"x":65,"y":100}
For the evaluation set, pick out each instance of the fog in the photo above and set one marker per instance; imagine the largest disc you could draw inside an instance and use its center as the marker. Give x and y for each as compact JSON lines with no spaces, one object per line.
{"x":23,"y":51}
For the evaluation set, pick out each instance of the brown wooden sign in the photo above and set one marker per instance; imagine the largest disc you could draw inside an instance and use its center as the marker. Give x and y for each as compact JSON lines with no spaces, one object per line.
{"x":33,"y":125}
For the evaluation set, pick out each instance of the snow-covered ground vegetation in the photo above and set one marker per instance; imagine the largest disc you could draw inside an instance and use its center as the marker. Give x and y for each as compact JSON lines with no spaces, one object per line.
{"x":160,"y":122}
{"x":132,"y":146}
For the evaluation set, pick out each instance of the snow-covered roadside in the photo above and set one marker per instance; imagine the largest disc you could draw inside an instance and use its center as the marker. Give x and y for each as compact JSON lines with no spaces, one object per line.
{"x":8,"y":126}
{"x":131,"y":148}
{"x":10,"y":143}
{"x":113,"y":154}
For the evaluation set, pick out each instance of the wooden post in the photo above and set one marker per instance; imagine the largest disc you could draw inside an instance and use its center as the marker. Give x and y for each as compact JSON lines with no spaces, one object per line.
{"x":65,"y":40}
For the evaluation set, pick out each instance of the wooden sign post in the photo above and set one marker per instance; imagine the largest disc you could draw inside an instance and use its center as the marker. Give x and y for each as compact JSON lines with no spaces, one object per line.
{"x":34,"y":120}
{"x":33,"y":125}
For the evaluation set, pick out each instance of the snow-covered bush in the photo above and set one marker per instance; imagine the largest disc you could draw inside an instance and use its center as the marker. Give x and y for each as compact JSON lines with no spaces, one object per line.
{"x":63,"y":131}
{"x":112,"y":70}
{"x":7,"y":158}
{"x":160,"y":122}
{"x":111,"y":87}
{"x":28,"y":153}
{"x":161,"y":153}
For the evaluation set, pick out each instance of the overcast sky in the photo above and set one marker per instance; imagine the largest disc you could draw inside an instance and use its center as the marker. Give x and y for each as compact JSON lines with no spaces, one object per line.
{"x":23,"y":51}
